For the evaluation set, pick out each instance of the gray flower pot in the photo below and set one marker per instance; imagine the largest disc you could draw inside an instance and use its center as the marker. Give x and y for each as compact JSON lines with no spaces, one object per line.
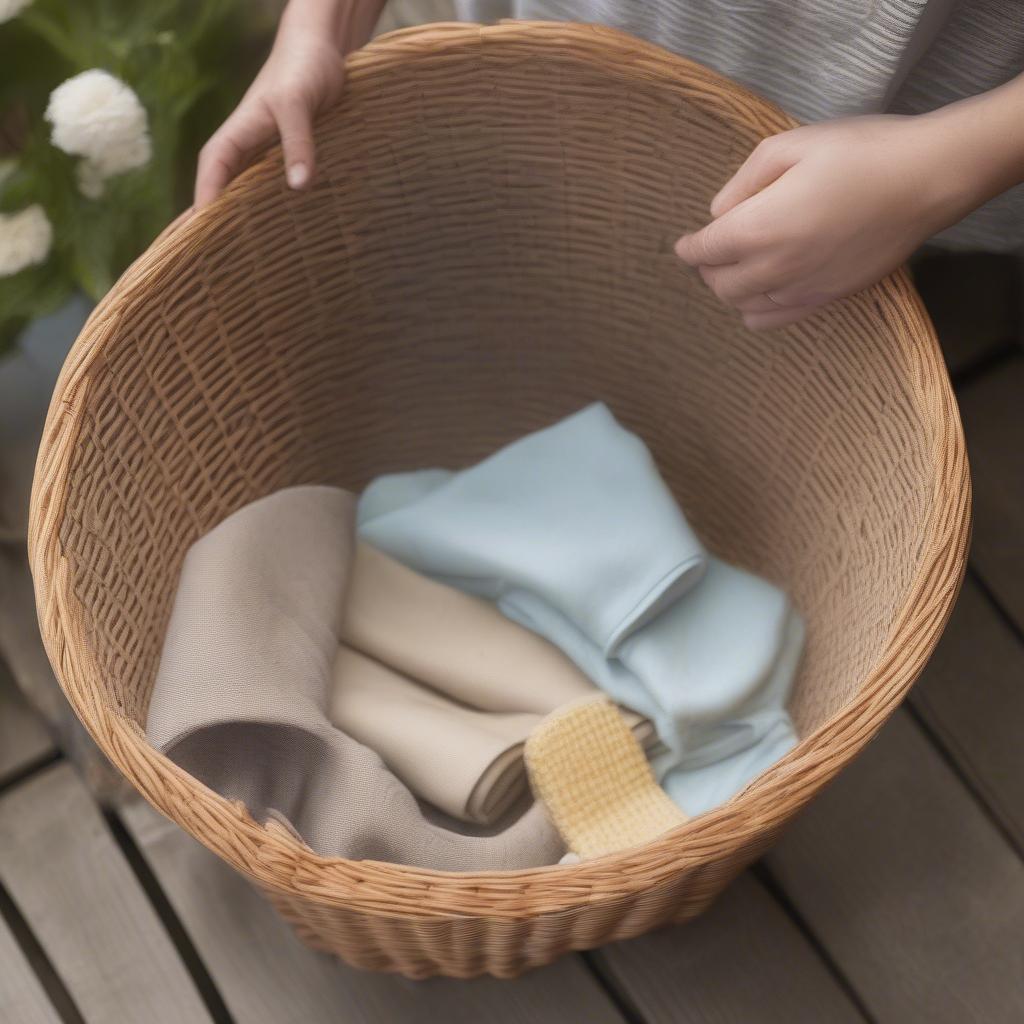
{"x":28,"y":373}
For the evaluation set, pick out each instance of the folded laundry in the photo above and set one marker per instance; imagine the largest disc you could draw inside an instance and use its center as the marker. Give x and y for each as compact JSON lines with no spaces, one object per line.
{"x":573,"y":533}
{"x":445,"y":688}
{"x":576,"y":517}
{"x":328,"y":684}
{"x":457,"y":644}
{"x":466,"y":762}
{"x":244,"y":685}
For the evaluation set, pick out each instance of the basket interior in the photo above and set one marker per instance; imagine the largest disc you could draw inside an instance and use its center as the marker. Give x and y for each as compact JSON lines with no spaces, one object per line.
{"x":488,"y":246}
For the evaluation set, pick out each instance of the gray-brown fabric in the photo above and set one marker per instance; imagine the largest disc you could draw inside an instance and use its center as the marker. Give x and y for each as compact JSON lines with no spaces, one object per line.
{"x":818,"y":59}
{"x":241,"y":695}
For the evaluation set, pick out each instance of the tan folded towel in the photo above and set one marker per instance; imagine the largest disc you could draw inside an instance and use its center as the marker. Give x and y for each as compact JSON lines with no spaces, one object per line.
{"x":589,"y":772}
{"x":468,"y":763}
{"x":460,"y":645}
{"x":445,"y":688}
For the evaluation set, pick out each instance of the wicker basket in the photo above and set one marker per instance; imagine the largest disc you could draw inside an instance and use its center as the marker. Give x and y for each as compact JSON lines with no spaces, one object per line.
{"x":487,"y":247}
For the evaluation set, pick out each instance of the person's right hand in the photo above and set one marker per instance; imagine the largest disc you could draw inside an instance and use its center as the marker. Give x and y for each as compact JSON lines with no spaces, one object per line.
{"x":303,"y":73}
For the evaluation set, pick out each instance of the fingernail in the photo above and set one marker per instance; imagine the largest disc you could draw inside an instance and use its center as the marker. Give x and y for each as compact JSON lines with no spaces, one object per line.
{"x":298,"y":175}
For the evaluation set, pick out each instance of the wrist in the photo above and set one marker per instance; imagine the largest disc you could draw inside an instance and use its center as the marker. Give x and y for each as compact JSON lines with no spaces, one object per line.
{"x":317,"y":18}
{"x":345,"y":25}
{"x":356,"y":23}
{"x":979,"y":148}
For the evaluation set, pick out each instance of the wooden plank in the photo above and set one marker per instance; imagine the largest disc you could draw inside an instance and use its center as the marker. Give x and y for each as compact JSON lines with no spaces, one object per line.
{"x":71,"y":883}
{"x":20,"y":643}
{"x":266,"y":976}
{"x":22,"y":648}
{"x":22,"y":999}
{"x":972,"y":696}
{"x":992,"y":408}
{"x":23,"y":737}
{"x":17,"y":465}
{"x":911,"y":888}
{"x":742,"y":961}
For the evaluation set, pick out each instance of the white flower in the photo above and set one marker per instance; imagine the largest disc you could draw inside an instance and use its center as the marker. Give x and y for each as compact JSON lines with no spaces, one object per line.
{"x":25,"y":239}
{"x":11,"y":9}
{"x":96,"y":116}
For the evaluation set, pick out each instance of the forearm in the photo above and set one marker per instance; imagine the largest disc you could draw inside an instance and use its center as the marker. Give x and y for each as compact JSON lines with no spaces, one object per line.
{"x":985,"y":146}
{"x":348,"y":22}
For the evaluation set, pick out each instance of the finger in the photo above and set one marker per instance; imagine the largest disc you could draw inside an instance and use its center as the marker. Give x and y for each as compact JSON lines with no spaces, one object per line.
{"x":736,"y":283}
{"x":719,"y":243}
{"x":768,"y":161}
{"x":295,"y":123}
{"x":218,"y":162}
{"x":228,"y":150}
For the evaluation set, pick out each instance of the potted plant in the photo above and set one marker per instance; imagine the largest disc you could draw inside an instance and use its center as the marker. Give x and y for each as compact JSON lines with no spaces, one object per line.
{"x":104,"y":105}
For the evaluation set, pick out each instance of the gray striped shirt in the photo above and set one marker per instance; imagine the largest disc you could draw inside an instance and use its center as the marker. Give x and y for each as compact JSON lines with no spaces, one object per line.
{"x":817,"y":59}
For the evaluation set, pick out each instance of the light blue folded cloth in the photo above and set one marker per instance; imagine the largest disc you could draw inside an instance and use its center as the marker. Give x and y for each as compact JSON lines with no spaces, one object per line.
{"x":574,"y":534}
{"x":575,"y":517}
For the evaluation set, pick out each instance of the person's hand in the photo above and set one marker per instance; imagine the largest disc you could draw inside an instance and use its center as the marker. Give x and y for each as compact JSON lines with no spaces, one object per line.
{"x":303,"y":73}
{"x":825,"y":210}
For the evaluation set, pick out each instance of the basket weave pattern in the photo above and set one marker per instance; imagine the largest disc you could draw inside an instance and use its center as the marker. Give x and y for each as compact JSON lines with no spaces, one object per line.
{"x":487,"y":247}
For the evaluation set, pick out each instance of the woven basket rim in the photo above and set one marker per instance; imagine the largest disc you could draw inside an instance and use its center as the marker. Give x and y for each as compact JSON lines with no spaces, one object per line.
{"x":275,"y":860}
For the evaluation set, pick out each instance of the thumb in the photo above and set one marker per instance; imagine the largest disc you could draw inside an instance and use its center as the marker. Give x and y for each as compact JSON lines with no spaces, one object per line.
{"x":295,"y":125}
{"x":770,"y":159}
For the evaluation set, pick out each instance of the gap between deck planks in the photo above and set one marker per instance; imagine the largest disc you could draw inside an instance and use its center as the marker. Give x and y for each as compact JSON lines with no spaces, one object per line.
{"x":910,"y":887}
{"x":22,"y":649}
{"x":87,"y":910}
{"x":676,"y":975}
{"x":22,"y":999}
{"x":23,"y":737}
{"x":23,"y":742}
{"x":266,"y":976}
{"x":971,"y":696}
{"x":743,"y":961}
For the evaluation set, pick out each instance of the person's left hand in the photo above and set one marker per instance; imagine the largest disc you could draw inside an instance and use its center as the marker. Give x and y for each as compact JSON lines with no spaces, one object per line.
{"x":825,"y":210}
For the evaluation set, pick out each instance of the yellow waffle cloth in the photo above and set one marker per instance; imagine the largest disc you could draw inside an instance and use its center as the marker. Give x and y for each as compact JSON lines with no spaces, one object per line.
{"x":590,"y":773}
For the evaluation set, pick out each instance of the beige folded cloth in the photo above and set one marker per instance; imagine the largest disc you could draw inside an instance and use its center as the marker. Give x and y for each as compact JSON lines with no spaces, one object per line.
{"x":591,"y":775}
{"x":445,"y":688}
{"x":468,"y":763}
{"x":458,"y":644}
{"x":244,"y":682}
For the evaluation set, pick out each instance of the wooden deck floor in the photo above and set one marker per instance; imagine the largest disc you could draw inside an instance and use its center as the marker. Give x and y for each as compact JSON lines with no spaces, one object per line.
{"x":898,"y":897}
